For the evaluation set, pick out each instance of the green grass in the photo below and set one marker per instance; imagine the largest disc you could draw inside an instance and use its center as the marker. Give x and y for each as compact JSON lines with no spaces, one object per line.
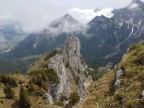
{"x":43,"y":61}
{"x":52,"y":53}
{"x":104,"y":95}
{"x":31,"y":57}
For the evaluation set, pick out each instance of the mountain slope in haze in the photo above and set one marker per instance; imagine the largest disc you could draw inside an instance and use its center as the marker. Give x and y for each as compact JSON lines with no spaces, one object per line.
{"x":103,"y":39}
{"x":10,"y":29}
{"x":10,"y":34}
{"x":8,"y":65}
{"x":109,"y":38}
{"x":122,"y":87}
{"x":46,"y":40}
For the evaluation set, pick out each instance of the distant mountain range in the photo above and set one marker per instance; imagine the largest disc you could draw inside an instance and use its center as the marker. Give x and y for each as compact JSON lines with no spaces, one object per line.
{"x":10,"y":34}
{"x":111,"y":37}
{"x":48,"y":39}
{"x":103,"y":39}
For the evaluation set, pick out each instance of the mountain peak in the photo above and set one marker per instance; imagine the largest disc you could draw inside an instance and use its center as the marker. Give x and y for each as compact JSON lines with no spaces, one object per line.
{"x":135,"y":4}
{"x":66,"y":19}
{"x":139,"y":2}
{"x":98,"y":19}
{"x":136,"y":1}
{"x":67,"y":16}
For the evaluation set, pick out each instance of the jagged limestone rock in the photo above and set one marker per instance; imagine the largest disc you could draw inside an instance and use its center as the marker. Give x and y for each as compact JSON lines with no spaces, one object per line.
{"x":117,"y":83}
{"x":57,"y":64}
{"x":119,"y":73}
{"x":71,"y":52}
{"x":49,"y":98}
{"x":69,"y":69}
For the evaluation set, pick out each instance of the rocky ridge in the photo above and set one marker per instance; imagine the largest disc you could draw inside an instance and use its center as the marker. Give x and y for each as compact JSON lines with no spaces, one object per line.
{"x":69,"y":68}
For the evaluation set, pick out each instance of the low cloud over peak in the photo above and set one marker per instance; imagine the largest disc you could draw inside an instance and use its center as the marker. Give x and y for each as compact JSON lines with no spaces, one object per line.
{"x":35,"y":15}
{"x":85,"y":15}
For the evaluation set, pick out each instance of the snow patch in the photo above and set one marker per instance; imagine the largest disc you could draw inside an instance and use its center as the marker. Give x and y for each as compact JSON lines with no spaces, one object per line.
{"x":85,"y":15}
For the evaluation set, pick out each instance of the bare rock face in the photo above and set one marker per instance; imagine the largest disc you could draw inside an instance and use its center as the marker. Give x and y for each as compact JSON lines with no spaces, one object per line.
{"x":69,"y":69}
{"x":57,"y":64}
{"x":71,"y":52}
{"x":72,"y":57}
{"x":119,"y":73}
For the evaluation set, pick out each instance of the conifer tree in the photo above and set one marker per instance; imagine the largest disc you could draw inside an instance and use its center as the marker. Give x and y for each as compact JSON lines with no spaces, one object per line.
{"x":9,"y":92}
{"x":24,"y":101}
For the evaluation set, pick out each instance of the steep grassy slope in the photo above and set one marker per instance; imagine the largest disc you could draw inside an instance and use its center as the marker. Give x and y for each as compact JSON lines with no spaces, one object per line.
{"x":21,"y":80}
{"x":103,"y":93}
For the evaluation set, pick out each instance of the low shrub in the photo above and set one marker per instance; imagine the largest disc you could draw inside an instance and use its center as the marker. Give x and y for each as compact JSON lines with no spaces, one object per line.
{"x":8,"y":80}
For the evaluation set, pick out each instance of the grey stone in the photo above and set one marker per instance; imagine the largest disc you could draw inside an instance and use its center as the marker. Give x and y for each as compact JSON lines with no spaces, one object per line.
{"x":117,"y":83}
{"x":119,"y":73}
{"x":71,"y":77}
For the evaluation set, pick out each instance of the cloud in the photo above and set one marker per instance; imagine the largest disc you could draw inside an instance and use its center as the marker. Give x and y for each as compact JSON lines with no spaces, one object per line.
{"x":85,"y":15}
{"x":132,"y":6}
{"x":34,"y":15}
{"x":67,"y":27}
{"x":5,"y":16}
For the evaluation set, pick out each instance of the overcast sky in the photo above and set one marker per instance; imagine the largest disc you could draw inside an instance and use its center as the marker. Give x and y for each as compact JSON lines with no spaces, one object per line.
{"x":36,"y":14}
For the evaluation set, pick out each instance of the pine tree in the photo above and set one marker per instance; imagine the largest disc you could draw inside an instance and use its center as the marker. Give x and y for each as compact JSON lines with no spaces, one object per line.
{"x":12,"y":82}
{"x":9,"y":92}
{"x":24,"y":101}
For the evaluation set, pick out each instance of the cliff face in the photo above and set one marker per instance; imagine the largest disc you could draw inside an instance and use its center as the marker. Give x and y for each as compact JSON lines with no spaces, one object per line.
{"x":69,"y":68}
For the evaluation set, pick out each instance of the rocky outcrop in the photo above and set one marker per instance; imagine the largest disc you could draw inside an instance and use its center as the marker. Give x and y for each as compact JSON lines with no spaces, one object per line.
{"x":48,"y":97}
{"x":72,"y":57}
{"x":119,"y":73}
{"x":57,"y":64}
{"x":69,"y":69}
